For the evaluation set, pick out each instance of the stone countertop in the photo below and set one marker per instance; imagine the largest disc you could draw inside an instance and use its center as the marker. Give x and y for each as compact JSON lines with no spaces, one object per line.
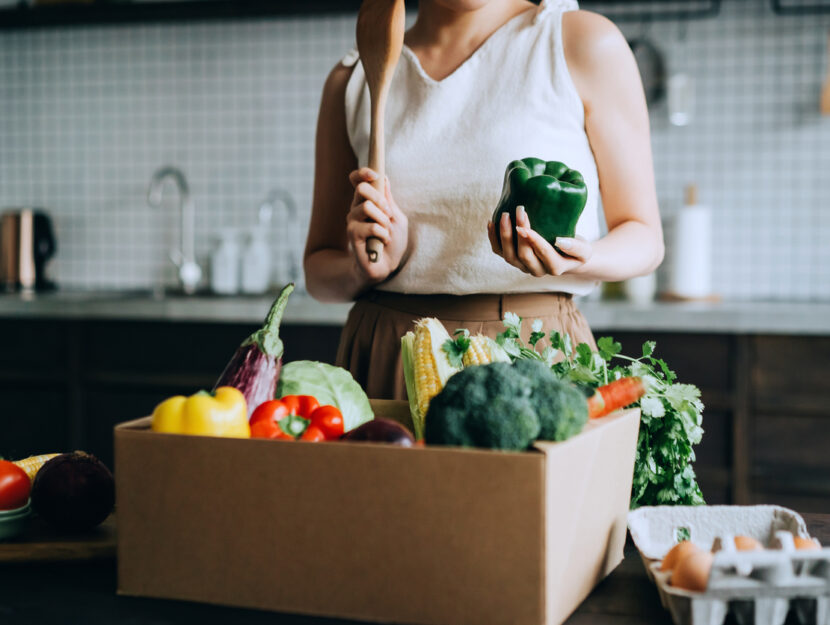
{"x":154,"y":306}
{"x":730,"y":317}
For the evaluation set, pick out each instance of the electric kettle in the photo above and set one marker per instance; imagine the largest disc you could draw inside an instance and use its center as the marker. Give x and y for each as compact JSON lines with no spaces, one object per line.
{"x":27,"y":242}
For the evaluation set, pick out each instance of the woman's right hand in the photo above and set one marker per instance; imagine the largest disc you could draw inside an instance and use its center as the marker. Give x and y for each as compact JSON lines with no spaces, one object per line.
{"x":373,"y":214}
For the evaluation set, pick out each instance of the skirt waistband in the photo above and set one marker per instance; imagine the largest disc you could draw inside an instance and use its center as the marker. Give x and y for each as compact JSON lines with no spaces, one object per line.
{"x":484,"y":306}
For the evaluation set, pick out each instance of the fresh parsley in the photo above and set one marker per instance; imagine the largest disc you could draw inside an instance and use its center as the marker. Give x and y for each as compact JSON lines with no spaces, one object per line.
{"x":672,"y":413}
{"x":457,"y":347}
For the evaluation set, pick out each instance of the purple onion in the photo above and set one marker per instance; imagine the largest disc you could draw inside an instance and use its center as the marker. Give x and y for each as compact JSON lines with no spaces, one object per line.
{"x":381,"y":430}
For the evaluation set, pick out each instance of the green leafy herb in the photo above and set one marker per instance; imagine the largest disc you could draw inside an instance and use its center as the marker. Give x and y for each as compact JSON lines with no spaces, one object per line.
{"x":672,"y":413}
{"x":608,"y":347}
{"x":457,"y":347}
{"x":536,"y":333}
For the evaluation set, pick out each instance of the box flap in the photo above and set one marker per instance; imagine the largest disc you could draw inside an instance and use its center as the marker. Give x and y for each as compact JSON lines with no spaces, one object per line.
{"x":593,"y":425}
{"x":593,"y":473}
{"x":136,"y":424}
{"x":394,"y":409}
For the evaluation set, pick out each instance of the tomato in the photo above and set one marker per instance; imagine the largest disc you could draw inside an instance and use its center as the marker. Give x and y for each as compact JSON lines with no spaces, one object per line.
{"x":314,"y":434}
{"x":14,"y":486}
{"x":330,"y":420}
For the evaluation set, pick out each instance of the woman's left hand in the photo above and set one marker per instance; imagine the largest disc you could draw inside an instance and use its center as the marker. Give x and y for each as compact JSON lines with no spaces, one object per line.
{"x":533,"y":254}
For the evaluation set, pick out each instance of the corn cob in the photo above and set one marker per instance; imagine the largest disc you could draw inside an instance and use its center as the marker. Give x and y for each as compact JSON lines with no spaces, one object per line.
{"x":476,"y":353}
{"x":32,"y":464}
{"x":426,"y":367}
{"x":483,"y":350}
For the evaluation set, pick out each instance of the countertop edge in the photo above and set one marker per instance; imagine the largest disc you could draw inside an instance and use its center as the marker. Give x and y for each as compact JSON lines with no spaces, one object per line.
{"x":728,"y":317}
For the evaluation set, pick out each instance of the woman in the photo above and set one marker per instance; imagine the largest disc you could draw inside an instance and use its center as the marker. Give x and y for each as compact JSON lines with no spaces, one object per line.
{"x":480,"y":83}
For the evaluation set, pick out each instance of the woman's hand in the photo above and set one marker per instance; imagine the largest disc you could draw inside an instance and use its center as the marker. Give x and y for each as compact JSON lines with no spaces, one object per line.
{"x":375,"y":215}
{"x":533,"y":254}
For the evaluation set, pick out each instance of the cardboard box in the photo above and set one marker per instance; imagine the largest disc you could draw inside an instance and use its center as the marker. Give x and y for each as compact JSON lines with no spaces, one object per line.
{"x":429,"y":536}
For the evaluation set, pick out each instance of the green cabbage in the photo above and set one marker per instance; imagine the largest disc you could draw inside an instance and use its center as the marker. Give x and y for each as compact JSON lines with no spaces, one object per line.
{"x":330,"y":385}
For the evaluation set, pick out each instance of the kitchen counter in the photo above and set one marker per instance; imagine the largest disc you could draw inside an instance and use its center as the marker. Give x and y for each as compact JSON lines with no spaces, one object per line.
{"x":154,"y":306}
{"x":728,"y":317}
{"x":84,"y":592}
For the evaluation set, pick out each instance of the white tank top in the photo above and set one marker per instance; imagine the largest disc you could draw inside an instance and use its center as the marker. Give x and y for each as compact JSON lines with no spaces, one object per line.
{"x":448,"y":143}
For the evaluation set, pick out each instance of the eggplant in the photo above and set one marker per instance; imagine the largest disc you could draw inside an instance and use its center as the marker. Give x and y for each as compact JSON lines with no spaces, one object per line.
{"x":255,"y":367}
{"x":381,"y":431}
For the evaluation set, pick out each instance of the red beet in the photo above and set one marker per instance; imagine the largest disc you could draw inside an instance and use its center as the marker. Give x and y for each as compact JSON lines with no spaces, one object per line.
{"x":255,"y":367}
{"x":73,"y":492}
{"x":381,"y":431}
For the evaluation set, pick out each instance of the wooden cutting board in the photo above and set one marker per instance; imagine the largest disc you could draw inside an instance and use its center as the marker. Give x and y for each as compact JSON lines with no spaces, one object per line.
{"x":40,"y":543}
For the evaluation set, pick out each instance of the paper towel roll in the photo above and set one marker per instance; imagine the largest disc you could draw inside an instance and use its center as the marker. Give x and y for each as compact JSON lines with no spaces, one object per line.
{"x":691,"y":253}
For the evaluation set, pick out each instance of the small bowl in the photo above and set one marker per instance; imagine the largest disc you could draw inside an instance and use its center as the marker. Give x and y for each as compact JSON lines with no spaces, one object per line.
{"x":5,"y":514}
{"x":12,"y":522}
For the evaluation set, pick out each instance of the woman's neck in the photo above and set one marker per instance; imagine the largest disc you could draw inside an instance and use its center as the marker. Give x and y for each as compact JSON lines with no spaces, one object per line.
{"x":443,"y":38}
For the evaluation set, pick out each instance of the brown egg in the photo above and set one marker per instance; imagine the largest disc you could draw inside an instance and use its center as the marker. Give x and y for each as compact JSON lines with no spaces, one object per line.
{"x":747,"y":543}
{"x":692,"y":573}
{"x":678,"y":553}
{"x":806,"y":543}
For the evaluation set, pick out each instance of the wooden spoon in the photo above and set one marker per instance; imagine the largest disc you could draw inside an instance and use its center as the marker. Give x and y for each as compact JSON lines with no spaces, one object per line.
{"x":825,"y":91}
{"x":380,"y":28}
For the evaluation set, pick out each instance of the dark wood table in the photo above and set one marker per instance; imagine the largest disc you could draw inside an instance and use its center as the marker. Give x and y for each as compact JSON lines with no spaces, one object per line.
{"x":83,"y":592}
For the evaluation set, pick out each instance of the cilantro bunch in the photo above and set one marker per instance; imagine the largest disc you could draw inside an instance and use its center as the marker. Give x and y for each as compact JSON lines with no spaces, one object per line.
{"x":672,"y":413}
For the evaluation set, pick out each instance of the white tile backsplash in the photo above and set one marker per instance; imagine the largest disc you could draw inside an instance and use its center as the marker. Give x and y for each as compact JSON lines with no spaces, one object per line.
{"x":88,"y":113}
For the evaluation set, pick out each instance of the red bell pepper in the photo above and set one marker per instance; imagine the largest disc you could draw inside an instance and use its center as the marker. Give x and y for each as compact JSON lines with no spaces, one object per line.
{"x":296,"y":417}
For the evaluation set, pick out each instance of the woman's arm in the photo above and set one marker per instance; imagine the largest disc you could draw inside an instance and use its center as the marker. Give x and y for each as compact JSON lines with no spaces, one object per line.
{"x":346,"y":210}
{"x":616,"y":121}
{"x":331,"y":272}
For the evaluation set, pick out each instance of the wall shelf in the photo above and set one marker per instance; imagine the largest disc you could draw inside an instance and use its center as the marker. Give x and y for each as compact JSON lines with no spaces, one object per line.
{"x":800,"y":7}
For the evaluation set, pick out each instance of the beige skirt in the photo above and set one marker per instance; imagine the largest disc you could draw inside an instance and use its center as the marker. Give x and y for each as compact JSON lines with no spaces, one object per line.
{"x":370,"y":344}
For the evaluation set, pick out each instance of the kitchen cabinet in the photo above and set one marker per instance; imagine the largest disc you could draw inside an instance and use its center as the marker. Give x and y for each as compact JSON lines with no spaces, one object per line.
{"x":67,"y":382}
{"x":104,"y":12}
{"x":142,"y":11}
{"x":789,"y":407}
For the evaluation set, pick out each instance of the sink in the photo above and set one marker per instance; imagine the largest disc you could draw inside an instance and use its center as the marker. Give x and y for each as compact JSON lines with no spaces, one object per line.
{"x":176,"y":293}
{"x":158,"y":294}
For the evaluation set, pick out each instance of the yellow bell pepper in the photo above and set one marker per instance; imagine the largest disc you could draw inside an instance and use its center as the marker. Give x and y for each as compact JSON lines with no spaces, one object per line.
{"x":221,"y":413}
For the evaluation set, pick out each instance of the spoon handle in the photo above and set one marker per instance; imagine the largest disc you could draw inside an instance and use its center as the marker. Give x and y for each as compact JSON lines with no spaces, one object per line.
{"x":379,"y":33}
{"x":374,"y":246}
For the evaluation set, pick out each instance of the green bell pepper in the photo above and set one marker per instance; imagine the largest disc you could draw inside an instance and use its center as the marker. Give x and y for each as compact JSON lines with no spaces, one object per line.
{"x":552,"y":194}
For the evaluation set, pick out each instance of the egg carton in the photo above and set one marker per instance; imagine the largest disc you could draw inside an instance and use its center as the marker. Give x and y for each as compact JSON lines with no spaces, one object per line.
{"x":757,"y":587}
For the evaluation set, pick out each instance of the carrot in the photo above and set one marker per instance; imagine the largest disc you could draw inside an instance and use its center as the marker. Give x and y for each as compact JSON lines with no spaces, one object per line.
{"x":618,"y":394}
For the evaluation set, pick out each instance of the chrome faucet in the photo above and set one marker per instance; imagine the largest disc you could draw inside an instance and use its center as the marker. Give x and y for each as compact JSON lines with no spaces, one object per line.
{"x":266,"y":213}
{"x":266,"y":209}
{"x":185,"y":257}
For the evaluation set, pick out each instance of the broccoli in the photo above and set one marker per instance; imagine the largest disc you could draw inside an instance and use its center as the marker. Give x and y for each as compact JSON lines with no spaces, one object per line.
{"x":483,"y":406}
{"x":561,"y":407}
{"x":505,"y":406}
